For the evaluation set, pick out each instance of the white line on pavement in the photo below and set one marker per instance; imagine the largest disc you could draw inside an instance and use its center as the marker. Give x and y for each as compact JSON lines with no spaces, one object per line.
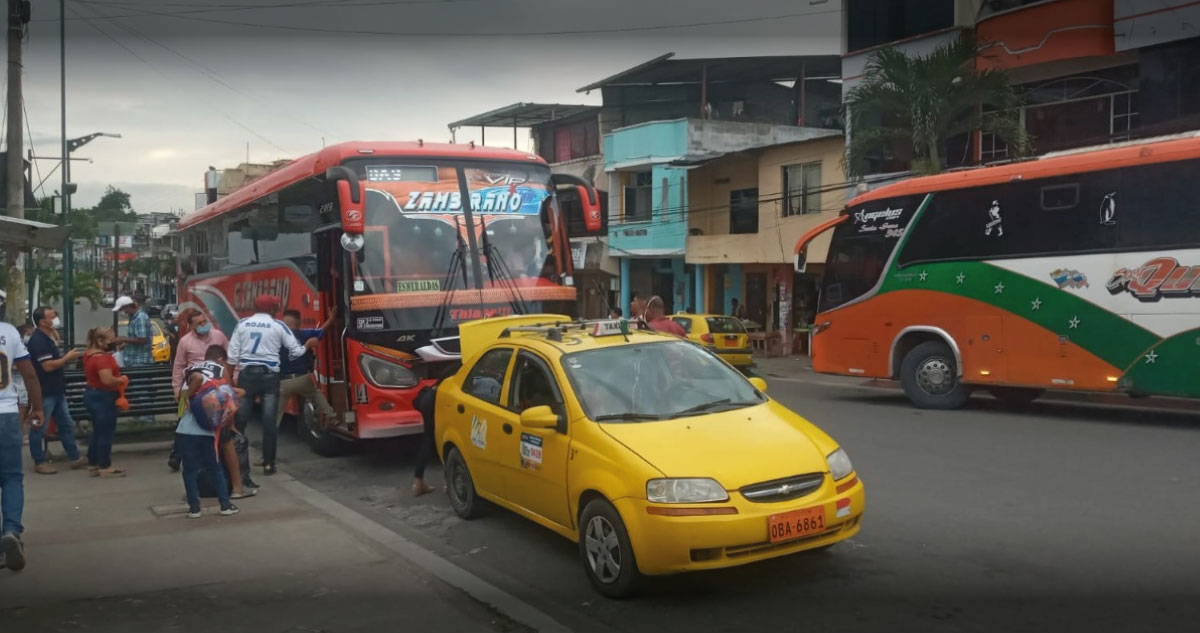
{"x":441,"y":568}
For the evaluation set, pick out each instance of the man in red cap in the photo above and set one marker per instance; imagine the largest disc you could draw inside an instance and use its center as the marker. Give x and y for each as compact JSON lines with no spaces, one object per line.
{"x":254,"y":349}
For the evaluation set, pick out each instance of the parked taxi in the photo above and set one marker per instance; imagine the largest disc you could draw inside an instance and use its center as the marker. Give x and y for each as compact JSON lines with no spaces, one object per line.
{"x":722,"y":335}
{"x":645,"y":449}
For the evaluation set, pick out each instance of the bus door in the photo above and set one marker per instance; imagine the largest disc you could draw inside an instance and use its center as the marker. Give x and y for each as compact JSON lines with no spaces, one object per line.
{"x":331,"y":287}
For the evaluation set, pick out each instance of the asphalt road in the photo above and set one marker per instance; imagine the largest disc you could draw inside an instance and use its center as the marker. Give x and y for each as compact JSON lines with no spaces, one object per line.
{"x":1063,"y":517}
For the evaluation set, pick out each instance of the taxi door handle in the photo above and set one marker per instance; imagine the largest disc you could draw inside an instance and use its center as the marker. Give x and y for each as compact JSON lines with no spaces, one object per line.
{"x":507,"y":428}
{"x":461,"y":408}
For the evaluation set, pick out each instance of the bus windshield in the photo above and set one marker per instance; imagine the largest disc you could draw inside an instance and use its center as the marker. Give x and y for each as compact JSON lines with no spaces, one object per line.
{"x":416,"y":223}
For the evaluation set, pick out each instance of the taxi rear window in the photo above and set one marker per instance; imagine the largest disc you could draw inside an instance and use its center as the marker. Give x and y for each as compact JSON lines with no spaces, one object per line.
{"x":725,"y":325}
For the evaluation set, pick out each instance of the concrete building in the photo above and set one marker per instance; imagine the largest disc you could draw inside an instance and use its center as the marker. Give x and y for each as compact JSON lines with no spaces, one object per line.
{"x":1092,"y":71}
{"x":747,"y":209}
{"x":663,"y":118}
{"x":568,"y":138}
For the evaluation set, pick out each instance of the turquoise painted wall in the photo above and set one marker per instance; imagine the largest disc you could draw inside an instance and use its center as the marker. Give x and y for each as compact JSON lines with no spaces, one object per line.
{"x":643,"y":145}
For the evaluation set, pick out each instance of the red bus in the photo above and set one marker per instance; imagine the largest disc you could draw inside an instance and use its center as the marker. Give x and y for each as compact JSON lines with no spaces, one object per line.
{"x":403,"y":241}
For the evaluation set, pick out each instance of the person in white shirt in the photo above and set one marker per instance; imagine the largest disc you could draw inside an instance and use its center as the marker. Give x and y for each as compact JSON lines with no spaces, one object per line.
{"x":254,"y":350}
{"x":15,"y":359}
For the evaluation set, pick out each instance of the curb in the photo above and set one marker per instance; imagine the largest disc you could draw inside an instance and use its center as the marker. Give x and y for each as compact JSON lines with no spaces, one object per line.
{"x":428,"y":560}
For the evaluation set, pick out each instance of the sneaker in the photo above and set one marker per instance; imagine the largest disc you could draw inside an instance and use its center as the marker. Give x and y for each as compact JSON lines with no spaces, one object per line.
{"x":194,"y":514}
{"x":14,"y":551}
{"x":79,"y":464}
{"x":269,"y":469}
{"x":45,"y":468}
{"x":248,"y":483}
{"x":244,"y":494}
{"x":230,"y":511}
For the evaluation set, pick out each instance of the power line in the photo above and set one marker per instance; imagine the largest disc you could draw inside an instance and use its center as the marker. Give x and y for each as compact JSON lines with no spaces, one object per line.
{"x":168,"y":77}
{"x":230,"y":8}
{"x":206,"y":71}
{"x":631,"y":29}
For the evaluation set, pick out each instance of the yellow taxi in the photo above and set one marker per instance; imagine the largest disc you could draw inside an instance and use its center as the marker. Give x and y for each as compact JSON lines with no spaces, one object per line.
{"x":160,"y":346}
{"x":652,"y":454}
{"x":723,"y":335}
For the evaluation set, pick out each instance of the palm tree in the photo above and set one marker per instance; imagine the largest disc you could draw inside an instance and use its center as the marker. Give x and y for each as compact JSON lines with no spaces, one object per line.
{"x":928,"y":99}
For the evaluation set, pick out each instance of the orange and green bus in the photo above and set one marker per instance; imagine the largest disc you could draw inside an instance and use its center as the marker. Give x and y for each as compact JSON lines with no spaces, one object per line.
{"x":1078,"y":271}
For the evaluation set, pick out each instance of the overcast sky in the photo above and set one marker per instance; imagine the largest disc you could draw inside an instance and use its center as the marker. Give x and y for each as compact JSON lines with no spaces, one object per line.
{"x":189,"y":84}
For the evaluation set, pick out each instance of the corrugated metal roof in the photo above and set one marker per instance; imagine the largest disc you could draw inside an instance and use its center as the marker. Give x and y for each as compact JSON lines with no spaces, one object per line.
{"x":525,"y":115}
{"x":667,"y":70}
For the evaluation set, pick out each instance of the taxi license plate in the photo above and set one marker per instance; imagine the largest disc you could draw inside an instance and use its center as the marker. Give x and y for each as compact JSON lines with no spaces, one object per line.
{"x":796,"y":524}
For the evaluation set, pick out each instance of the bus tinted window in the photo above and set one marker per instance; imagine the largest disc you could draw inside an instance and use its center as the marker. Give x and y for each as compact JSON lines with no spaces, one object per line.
{"x":1158,"y":207}
{"x":861,"y":247}
{"x":1047,"y":216}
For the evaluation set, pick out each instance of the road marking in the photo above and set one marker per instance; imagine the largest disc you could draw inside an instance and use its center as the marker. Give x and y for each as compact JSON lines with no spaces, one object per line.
{"x":444,"y":570}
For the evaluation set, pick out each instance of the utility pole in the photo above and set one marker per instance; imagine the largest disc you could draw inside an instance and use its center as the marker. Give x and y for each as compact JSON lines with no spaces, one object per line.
{"x":68,"y":271}
{"x":116,"y":267}
{"x":18,"y":17}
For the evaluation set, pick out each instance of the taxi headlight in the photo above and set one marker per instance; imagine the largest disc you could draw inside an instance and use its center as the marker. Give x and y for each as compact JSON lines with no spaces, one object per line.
{"x":386,"y":374}
{"x":693,"y":490}
{"x":839,"y":464}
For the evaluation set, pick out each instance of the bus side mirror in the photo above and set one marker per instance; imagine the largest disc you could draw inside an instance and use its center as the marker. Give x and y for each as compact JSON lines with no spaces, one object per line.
{"x":801,"y":261}
{"x":352,"y":199}
{"x":590,"y":203}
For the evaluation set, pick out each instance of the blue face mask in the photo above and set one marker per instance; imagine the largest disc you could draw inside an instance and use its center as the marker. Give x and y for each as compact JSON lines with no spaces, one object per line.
{"x":203,"y":330}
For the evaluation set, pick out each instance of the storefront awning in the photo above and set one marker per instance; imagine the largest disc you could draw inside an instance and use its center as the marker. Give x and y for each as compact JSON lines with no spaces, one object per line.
{"x":802,"y":243}
{"x":25,"y":234}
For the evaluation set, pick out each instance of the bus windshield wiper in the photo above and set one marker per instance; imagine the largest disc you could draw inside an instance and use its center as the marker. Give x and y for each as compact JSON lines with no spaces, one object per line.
{"x":631,"y":417}
{"x":701,"y":408}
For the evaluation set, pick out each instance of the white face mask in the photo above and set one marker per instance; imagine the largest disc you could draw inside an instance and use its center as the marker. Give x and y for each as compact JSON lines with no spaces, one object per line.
{"x":56,"y":323}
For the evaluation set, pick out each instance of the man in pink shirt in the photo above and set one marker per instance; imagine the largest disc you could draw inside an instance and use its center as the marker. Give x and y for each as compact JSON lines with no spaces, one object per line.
{"x":193,"y":345}
{"x":657,"y":318}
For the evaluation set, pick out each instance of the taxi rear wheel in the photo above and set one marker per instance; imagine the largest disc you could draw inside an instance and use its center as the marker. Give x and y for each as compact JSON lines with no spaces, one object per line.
{"x":466,"y":503}
{"x":606,"y":552}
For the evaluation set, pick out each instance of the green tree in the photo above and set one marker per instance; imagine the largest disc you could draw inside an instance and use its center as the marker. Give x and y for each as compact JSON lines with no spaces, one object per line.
{"x":85,"y":285}
{"x":926,"y":100}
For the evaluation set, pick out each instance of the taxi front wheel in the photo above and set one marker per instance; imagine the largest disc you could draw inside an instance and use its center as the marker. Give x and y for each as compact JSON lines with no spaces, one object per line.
{"x":466,"y":503}
{"x":605,"y":550}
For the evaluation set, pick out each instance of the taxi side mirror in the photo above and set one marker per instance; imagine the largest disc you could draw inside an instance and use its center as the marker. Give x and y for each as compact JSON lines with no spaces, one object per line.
{"x":759,"y":384}
{"x":542,"y":417}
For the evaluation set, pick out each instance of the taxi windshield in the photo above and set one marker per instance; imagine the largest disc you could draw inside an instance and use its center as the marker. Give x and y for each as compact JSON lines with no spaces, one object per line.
{"x":655,"y":381}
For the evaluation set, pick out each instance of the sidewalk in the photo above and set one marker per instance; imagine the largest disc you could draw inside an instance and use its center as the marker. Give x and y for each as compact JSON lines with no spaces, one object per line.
{"x":119,"y":555}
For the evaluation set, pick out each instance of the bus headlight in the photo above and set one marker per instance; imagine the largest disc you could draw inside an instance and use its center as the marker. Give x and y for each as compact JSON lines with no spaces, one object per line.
{"x":386,"y":374}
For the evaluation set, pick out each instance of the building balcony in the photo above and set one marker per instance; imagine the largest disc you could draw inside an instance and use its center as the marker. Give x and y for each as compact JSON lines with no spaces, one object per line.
{"x":1039,"y":32}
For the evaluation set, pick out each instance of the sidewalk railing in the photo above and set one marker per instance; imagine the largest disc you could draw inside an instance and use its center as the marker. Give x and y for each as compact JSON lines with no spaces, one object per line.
{"x":149,"y":392}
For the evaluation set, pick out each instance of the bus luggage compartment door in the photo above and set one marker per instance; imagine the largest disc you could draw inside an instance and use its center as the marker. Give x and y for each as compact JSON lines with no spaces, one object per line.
{"x":985,"y":359}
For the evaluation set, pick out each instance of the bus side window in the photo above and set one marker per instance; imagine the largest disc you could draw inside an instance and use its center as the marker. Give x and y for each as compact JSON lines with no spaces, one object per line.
{"x":1060,"y":197}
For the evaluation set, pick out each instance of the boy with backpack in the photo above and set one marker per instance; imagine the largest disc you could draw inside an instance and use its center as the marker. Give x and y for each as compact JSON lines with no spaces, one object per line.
{"x":210,"y":408}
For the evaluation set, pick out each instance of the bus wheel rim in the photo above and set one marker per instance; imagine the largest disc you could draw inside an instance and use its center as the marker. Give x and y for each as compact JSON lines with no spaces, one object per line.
{"x":935,"y":376}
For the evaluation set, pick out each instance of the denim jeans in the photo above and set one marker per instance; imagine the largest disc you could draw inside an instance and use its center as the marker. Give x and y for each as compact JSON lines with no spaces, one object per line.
{"x":54,"y":408}
{"x":12,"y":480}
{"x":264,"y":385}
{"x":199,"y":452}
{"x":102,"y":407}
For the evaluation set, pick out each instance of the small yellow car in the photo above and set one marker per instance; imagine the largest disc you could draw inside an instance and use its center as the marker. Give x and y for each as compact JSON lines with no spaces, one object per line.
{"x":652,"y":454}
{"x":722,"y":335}
{"x":160,"y":346}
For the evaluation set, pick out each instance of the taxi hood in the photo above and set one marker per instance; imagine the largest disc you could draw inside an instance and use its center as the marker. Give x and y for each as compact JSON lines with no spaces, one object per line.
{"x":737,"y":448}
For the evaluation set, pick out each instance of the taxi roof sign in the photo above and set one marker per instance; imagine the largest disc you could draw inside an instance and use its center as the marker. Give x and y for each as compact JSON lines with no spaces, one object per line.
{"x":611,"y":327}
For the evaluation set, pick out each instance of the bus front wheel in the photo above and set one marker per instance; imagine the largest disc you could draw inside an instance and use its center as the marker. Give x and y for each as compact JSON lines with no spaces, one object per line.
{"x":323,"y":442}
{"x":930,"y":377}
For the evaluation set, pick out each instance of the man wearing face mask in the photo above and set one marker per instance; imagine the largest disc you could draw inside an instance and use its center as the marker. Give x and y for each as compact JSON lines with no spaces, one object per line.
{"x":192,"y":347}
{"x":48,"y":363}
{"x":189,"y":351}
